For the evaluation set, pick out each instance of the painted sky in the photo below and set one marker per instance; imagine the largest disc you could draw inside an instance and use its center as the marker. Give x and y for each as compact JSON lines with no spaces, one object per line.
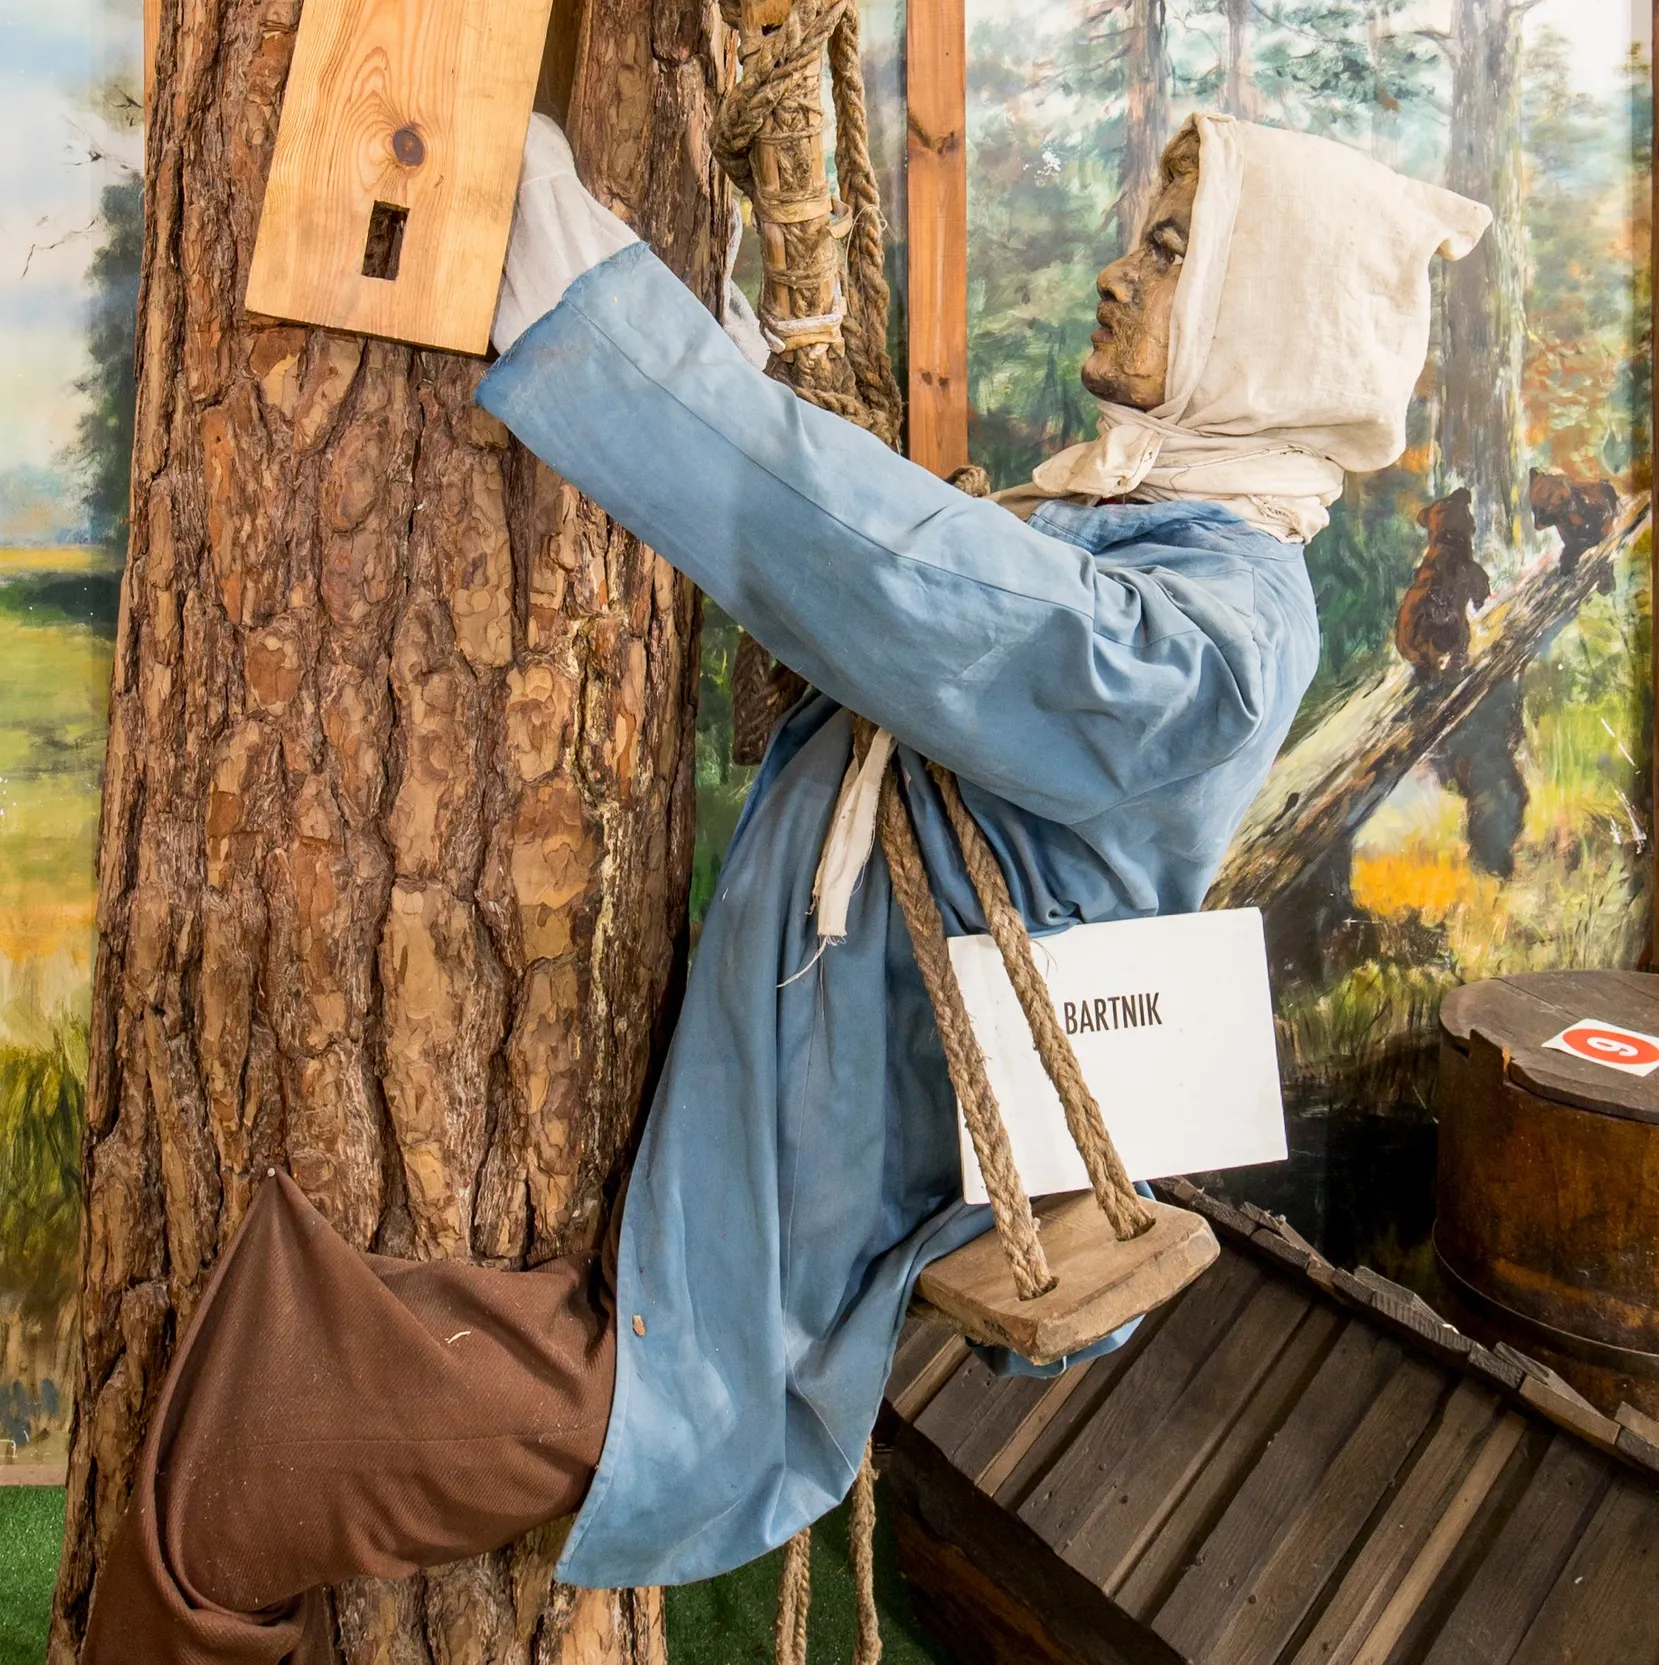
{"x":57,"y":152}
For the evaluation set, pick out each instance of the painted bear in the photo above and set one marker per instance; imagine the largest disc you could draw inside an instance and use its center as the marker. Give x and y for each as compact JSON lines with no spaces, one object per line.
{"x":1432,"y":631}
{"x":1581,"y":511}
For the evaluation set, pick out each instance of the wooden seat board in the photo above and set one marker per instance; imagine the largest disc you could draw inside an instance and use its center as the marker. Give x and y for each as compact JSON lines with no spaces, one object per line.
{"x":1142,"y":1398}
{"x":1154,"y":1574}
{"x":1061,"y":1412}
{"x":1152,"y":1474}
{"x":1605,"y":1605}
{"x":1101,"y":1283}
{"x":1272,"y":1604}
{"x":1416,"y":1533}
{"x":1345,"y":1386}
{"x":1501,"y":1599}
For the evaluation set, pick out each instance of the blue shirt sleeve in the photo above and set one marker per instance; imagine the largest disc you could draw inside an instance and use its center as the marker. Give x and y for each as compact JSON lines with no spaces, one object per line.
{"x":1060,"y":679}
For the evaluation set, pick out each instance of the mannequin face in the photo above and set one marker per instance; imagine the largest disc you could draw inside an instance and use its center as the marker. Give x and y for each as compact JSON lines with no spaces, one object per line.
{"x":1130,"y":360}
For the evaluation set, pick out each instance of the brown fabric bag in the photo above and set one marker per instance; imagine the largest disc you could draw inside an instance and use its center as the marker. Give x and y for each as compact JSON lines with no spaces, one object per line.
{"x":331,"y":1414}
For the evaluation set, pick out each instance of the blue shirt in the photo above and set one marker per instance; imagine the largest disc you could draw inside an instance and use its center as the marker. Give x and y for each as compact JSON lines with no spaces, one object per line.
{"x":1109,"y":684}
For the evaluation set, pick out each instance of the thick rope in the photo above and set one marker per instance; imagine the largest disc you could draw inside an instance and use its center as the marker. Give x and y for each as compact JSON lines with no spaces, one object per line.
{"x":789,"y":1631}
{"x":1122,"y":1205}
{"x":862,"y":1541}
{"x":781,"y":85}
{"x":839,"y":363}
{"x":1010,"y":1206}
{"x":794,"y":1597}
{"x":869,"y":298}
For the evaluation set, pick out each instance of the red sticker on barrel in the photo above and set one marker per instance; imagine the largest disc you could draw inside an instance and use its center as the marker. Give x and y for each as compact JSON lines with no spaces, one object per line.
{"x":1607,"y":1043}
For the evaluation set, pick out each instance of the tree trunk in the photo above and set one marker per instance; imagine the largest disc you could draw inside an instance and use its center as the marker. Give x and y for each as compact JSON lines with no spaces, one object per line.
{"x":1241,"y":89}
{"x":398,"y":802}
{"x":1145,"y":121}
{"x":1484,"y":299}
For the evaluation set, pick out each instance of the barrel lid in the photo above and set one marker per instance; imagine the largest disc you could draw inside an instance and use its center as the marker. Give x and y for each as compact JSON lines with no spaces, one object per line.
{"x":1524,"y":1011}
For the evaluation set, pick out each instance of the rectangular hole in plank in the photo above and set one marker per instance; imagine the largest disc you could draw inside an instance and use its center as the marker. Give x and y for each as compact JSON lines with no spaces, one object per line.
{"x":384,"y":247}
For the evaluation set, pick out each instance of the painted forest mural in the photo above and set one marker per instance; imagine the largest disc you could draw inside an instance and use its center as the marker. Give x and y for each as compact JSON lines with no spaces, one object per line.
{"x":70,"y":232}
{"x":1466,"y":790}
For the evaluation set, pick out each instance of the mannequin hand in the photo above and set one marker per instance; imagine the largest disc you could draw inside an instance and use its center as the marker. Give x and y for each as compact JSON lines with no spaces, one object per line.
{"x":559,"y":232}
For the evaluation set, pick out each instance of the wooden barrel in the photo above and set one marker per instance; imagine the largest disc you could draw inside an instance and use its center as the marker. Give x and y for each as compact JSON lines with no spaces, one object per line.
{"x":1547,"y":1229}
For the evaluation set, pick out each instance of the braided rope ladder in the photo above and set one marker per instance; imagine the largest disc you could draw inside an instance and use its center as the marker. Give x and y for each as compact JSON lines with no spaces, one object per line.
{"x":824,"y":310}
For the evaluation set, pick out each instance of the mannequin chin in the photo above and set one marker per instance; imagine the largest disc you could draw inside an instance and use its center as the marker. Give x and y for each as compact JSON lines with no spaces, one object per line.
{"x":1130,"y":361}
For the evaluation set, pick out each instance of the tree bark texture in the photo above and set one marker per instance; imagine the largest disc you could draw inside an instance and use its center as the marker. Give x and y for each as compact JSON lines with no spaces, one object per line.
{"x":1481,"y":438}
{"x":398,"y":803}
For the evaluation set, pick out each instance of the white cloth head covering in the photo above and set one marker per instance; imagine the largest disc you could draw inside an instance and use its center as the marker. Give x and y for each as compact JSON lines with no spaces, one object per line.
{"x":1300,"y":326}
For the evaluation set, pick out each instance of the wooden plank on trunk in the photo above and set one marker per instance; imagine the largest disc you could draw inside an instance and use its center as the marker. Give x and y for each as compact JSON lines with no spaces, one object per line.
{"x":937,"y":183}
{"x":1288,"y":1582}
{"x":978,"y":1413}
{"x":997,"y":1446}
{"x":1147,"y":1584}
{"x":1416,"y":1533}
{"x":391,"y":189}
{"x":1141,"y":1399}
{"x":1153,"y":1472}
{"x":1277,"y":1492}
{"x":1605,"y":1604}
{"x":1501,"y":1599}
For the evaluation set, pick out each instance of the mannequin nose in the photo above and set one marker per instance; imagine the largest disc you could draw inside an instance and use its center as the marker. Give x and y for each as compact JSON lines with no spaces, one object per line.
{"x":1114,"y":284}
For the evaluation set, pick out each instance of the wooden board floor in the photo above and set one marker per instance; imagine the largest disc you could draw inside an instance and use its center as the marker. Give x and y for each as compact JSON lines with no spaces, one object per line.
{"x":1286,"y":1466}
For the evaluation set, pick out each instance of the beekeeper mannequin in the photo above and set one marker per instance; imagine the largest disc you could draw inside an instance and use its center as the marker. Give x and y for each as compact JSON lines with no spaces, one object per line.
{"x":1109,"y":680}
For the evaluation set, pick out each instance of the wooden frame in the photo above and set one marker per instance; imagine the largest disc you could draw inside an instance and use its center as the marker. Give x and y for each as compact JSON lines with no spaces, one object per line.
{"x":937,"y":169}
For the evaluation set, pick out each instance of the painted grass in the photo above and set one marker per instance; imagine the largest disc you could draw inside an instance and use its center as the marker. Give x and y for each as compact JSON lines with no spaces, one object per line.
{"x":56,"y":559}
{"x":54,"y":681}
{"x":31,"y":1530}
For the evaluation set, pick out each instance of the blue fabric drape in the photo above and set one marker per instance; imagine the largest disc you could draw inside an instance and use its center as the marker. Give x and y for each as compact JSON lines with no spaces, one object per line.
{"x":1110,"y":684}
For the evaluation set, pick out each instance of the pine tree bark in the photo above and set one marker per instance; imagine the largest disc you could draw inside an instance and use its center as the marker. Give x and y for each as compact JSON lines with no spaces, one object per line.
{"x":398,"y":805}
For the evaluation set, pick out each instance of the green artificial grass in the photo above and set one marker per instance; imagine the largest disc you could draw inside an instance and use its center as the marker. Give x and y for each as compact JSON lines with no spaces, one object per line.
{"x":727,"y":1621}
{"x":31,"y":1530}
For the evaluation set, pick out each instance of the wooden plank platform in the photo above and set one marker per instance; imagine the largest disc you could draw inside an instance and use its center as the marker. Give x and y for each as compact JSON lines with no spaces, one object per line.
{"x":1289,"y":1464}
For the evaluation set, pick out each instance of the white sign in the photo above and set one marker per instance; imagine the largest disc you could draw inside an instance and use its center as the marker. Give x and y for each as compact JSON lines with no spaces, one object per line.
{"x":1172,"y":1021}
{"x":1598,"y":1042}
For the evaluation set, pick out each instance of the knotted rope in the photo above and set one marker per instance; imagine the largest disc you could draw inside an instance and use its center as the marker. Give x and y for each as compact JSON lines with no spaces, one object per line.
{"x":1122,"y":1205}
{"x":828,"y":331}
{"x":766,"y":137}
